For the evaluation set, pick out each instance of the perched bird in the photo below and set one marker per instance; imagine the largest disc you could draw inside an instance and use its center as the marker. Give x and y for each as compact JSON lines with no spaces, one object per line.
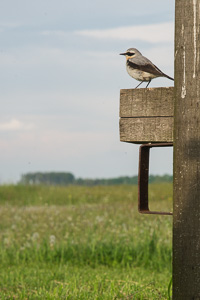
{"x":141,"y":68}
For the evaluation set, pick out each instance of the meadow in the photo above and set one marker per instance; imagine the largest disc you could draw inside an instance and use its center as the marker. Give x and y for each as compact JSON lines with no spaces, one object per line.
{"x":84,"y":243}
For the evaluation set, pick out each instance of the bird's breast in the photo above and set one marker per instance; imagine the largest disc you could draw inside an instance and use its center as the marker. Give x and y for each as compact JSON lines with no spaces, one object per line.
{"x":139,"y":74}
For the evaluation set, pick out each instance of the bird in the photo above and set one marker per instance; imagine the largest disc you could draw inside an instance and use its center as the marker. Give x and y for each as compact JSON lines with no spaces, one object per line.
{"x":141,"y":68}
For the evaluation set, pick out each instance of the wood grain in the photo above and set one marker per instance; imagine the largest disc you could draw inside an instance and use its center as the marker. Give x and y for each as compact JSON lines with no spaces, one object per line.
{"x":186,"y":220}
{"x":147,"y":102}
{"x":146,"y":130}
{"x":146,"y":115}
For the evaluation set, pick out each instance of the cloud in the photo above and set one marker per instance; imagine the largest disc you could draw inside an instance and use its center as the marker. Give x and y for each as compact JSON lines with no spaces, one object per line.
{"x":149,"y":33}
{"x":14,"y":125}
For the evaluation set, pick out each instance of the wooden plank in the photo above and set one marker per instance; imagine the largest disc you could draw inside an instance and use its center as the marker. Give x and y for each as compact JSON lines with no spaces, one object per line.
{"x":147,"y":102}
{"x":186,"y":220}
{"x":146,"y":130}
{"x":146,"y":115}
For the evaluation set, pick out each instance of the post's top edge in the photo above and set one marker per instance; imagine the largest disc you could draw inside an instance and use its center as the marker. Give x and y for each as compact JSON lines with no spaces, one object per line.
{"x":148,"y":89}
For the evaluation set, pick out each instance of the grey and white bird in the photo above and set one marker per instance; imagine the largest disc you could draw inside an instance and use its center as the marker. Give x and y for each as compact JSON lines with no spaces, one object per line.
{"x":141,"y":68}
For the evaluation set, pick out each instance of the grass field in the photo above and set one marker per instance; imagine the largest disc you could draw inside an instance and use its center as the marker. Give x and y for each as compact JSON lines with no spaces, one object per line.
{"x":83,"y":243}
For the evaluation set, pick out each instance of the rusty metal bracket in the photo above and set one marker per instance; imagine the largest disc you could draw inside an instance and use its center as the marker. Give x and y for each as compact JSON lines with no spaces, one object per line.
{"x":143,"y":179}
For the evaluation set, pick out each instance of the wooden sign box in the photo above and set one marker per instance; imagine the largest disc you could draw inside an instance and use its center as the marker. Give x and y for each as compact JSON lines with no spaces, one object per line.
{"x":146,"y":115}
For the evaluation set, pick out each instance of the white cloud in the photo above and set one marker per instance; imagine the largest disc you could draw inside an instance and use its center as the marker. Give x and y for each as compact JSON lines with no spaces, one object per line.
{"x":155,"y":33}
{"x":14,"y":125}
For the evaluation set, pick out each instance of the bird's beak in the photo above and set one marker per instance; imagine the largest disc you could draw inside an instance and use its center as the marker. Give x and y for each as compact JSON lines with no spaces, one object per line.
{"x":122,"y":54}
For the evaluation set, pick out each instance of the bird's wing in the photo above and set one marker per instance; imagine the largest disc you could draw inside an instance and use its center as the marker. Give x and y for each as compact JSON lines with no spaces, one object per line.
{"x":145,"y":66}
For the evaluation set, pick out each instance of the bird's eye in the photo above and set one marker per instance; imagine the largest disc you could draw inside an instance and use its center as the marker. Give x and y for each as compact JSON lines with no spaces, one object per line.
{"x":130,"y":53}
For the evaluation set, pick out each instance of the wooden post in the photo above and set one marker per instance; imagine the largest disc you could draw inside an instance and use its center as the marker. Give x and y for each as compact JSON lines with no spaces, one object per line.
{"x":186,"y":220}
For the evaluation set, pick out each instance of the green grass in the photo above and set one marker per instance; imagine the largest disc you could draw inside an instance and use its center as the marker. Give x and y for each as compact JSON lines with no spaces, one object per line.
{"x":83,"y":243}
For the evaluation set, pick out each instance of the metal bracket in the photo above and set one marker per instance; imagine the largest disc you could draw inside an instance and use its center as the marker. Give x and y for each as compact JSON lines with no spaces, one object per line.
{"x":143,"y":178}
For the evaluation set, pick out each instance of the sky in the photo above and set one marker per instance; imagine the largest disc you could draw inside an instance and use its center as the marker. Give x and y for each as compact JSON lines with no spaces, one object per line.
{"x":60,"y":79}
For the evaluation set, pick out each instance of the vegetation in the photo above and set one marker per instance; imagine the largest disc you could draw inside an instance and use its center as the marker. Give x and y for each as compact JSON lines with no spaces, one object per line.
{"x":57,"y":178}
{"x":80,"y":242}
{"x":62,"y":178}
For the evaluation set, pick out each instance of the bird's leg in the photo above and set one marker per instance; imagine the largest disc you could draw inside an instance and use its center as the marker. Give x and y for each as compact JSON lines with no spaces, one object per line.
{"x":148,"y":83}
{"x":139,"y":84}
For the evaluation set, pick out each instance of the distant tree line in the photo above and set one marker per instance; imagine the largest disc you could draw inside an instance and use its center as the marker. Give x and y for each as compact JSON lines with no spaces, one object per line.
{"x":49,"y":178}
{"x":66,"y":178}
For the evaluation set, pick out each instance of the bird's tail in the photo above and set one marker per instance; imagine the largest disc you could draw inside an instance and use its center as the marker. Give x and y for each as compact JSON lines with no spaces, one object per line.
{"x":165,"y":75}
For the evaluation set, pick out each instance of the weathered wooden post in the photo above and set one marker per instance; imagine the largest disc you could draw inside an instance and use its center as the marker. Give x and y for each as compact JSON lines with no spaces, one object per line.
{"x":186,"y":224}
